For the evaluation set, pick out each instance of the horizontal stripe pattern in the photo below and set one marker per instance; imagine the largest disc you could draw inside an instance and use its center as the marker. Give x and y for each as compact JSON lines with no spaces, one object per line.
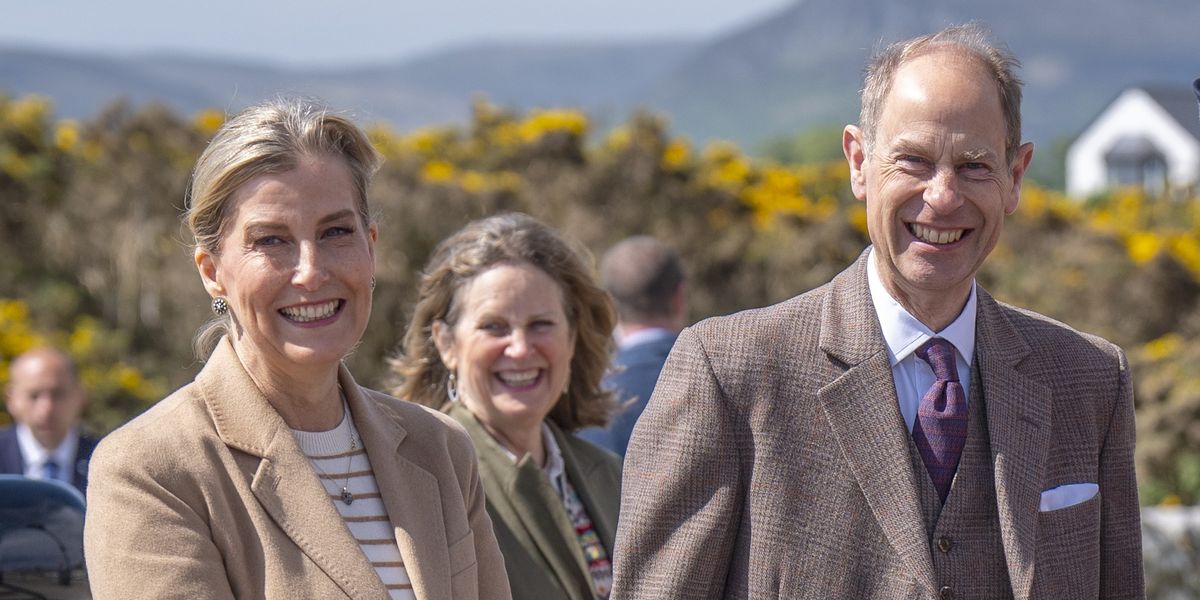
{"x":366,"y":516}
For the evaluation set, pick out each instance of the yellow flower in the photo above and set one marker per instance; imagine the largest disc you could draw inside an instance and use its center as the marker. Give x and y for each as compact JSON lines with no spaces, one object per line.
{"x":676,"y":155}
{"x":66,"y":135}
{"x":129,"y":378}
{"x":473,"y":182}
{"x":437,"y":171}
{"x":83,"y":338}
{"x":208,"y":121}
{"x":857,"y":216}
{"x":1162,"y":347}
{"x":541,"y":122}
{"x":13,"y":311}
{"x":28,"y":113}
{"x":1186,"y":249}
{"x":1143,"y":246}
{"x":427,"y":141}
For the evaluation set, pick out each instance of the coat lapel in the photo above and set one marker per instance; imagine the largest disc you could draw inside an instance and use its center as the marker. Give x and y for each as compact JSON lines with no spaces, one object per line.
{"x":410,"y":493}
{"x":1018,"y":415}
{"x":526,"y":493}
{"x":865,"y":418}
{"x":283,"y":482}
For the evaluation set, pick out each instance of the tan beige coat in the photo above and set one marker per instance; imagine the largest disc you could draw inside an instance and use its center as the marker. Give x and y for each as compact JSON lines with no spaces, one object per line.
{"x":207,"y":495}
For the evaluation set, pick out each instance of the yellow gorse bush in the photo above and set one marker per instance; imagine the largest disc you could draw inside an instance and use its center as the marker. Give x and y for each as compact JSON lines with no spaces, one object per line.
{"x":1122,"y":264}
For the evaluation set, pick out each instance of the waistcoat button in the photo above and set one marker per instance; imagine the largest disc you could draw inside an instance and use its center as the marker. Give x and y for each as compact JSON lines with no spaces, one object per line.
{"x":944,"y":544}
{"x":947,"y":593}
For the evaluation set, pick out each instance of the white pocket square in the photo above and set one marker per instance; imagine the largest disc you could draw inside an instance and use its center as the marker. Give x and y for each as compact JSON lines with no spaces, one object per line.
{"x":1068,"y":495}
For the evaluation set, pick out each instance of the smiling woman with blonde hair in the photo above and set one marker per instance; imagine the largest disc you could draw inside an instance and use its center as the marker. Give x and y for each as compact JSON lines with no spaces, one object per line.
{"x":273,"y":474}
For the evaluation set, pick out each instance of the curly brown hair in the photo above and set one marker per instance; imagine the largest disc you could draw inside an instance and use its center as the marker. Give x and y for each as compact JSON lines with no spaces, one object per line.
{"x":512,"y":238}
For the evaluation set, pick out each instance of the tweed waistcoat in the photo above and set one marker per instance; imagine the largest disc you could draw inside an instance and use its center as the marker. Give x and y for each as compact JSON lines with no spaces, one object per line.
{"x":964,"y":534}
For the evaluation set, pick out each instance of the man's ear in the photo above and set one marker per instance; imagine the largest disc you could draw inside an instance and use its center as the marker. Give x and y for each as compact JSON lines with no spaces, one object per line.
{"x":443,"y":338}
{"x":854,"y":148}
{"x":206,"y":264}
{"x":1019,"y":165}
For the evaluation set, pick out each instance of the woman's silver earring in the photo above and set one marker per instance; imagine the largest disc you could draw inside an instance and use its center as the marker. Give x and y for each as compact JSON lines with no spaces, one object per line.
{"x":452,"y":387}
{"x":220,"y":306}
{"x":372,"y":282}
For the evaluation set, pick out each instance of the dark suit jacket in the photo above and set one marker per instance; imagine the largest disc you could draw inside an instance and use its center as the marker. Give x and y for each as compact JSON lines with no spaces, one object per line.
{"x":541,"y":549}
{"x":773,"y":461}
{"x":13,"y":463}
{"x":636,"y":371}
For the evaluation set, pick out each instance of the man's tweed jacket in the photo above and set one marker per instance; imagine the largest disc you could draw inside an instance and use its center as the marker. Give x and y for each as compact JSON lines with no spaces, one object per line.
{"x":773,"y":461}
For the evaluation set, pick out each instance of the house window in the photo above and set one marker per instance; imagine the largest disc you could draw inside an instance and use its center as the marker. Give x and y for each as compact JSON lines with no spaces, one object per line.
{"x":1134,"y":160}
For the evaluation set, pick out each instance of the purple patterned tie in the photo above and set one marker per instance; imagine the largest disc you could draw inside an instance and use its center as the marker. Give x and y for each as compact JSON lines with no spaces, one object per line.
{"x":940,"y":430}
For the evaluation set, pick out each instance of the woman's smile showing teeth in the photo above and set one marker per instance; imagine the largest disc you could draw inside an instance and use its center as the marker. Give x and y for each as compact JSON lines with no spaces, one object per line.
{"x":518,"y":379}
{"x":309,"y":313}
{"x":936,"y":236}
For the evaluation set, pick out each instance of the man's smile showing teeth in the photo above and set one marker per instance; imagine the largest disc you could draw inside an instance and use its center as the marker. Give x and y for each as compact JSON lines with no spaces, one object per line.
{"x":310,"y":312}
{"x":936,"y":236}
{"x":518,"y":378}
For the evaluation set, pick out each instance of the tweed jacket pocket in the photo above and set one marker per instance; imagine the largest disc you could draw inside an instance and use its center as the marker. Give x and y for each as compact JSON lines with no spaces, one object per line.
{"x":1078,"y":521}
{"x":1068,"y":552}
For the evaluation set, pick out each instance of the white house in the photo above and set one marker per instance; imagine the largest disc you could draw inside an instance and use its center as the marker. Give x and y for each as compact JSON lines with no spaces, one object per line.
{"x":1147,"y":136}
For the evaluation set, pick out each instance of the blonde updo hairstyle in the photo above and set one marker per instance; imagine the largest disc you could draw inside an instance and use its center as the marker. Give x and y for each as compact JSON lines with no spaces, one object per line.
{"x":267,"y":139}
{"x":512,"y":238}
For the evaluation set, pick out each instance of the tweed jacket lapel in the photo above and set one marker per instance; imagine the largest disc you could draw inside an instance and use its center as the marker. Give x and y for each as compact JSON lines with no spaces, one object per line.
{"x":864,"y":415}
{"x":1018,"y":413}
{"x":525,"y":492}
{"x":283,"y":480}
{"x":410,"y":493}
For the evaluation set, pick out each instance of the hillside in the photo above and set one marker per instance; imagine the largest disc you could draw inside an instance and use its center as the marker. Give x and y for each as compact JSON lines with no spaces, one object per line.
{"x":802,"y":66}
{"x":785,"y":73}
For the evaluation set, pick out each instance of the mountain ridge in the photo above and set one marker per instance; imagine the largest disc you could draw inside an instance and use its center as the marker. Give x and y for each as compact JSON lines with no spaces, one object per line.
{"x":789,"y":71}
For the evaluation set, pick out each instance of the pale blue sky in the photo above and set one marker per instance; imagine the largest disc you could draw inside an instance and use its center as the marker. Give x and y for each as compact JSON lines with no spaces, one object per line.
{"x":323,"y":32}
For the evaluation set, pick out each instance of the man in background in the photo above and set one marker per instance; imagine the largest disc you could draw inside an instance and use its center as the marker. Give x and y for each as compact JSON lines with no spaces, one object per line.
{"x":645,"y":278}
{"x":45,"y":398}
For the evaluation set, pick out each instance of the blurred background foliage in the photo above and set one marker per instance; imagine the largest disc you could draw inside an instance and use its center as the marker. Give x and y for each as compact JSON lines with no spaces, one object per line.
{"x":93,"y":257}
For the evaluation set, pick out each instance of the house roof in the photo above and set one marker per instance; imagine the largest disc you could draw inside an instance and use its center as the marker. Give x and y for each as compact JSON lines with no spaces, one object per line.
{"x":1135,"y":148}
{"x":1179,"y":102}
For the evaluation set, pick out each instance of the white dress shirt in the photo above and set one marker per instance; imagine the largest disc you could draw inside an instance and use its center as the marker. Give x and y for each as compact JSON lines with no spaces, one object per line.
{"x":903,"y":334}
{"x":36,"y":456}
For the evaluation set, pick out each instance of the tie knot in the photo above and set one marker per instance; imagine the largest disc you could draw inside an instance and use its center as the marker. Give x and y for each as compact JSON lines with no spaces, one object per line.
{"x":939,"y":354}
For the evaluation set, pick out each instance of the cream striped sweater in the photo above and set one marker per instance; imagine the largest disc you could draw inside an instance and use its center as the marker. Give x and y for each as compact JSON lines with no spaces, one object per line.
{"x":337,"y":464}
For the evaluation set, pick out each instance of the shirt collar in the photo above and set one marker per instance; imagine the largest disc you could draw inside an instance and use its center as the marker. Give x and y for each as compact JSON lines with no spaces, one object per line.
{"x":903,"y":333}
{"x":35,"y":454}
{"x":554,"y":458}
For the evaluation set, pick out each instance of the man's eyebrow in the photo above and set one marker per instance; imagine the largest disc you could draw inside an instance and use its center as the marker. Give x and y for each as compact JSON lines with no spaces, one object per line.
{"x":975,"y":154}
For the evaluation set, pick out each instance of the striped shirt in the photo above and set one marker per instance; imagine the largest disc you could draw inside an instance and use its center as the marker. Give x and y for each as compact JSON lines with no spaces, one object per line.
{"x":340,"y":464}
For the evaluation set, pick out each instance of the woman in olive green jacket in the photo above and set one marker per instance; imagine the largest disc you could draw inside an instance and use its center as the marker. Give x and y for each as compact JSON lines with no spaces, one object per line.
{"x":511,"y":336}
